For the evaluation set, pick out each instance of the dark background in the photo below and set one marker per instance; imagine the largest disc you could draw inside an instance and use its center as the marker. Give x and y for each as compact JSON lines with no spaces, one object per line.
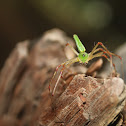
{"x":92,"y":20}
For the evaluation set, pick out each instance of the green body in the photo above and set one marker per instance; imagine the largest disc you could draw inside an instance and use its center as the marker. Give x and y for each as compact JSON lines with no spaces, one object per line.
{"x":79,"y":44}
{"x":83,"y":56}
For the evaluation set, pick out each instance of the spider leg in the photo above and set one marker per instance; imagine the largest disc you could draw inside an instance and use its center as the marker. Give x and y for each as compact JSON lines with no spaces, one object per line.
{"x":101,"y":54}
{"x":55,"y":74}
{"x":58,"y":80}
{"x":64,"y":65}
{"x":95,"y":55}
{"x":101,"y":49}
{"x":109,"y":53}
{"x":68,"y":44}
{"x":104,"y":50}
{"x":110,"y":61}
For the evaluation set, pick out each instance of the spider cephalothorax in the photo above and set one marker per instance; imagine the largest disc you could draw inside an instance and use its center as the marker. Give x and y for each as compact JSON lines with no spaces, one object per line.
{"x":83,"y":56}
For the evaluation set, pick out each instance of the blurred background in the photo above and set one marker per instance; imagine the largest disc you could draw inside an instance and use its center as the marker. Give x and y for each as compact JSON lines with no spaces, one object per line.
{"x":91,"y":20}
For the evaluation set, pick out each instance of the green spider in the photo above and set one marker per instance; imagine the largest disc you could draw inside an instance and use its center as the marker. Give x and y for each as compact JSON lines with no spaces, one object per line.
{"x":84,"y":57}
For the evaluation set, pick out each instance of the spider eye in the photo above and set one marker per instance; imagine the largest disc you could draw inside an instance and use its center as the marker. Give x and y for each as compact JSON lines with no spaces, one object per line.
{"x":83,"y":55}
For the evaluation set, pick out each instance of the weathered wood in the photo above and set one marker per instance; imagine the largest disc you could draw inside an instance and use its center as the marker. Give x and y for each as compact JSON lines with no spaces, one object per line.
{"x":87,"y":101}
{"x":25,"y":76}
{"x":25,"y":99}
{"x":11,"y":73}
{"x":94,"y":67}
